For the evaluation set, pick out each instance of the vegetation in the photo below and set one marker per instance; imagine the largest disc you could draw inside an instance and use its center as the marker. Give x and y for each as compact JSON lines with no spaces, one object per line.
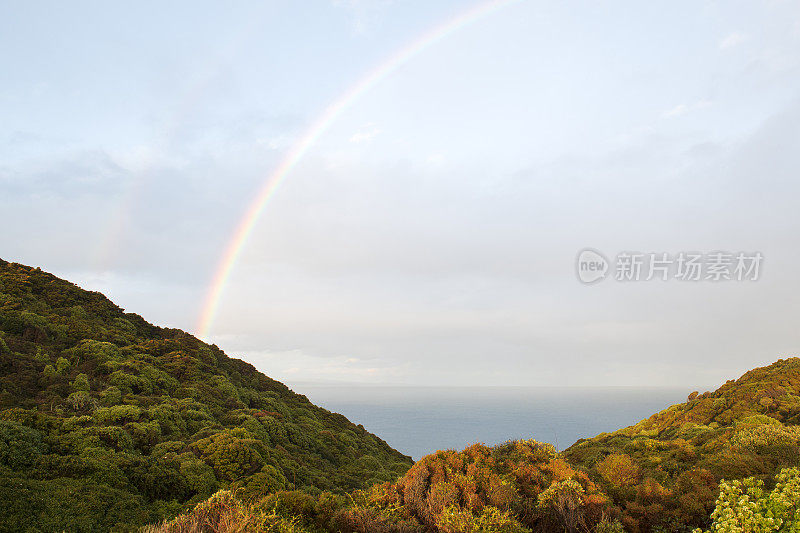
{"x":107,"y":421}
{"x":663,"y":473}
{"x":725,"y":461}
{"x":744,"y":506}
{"x":516,"y":487}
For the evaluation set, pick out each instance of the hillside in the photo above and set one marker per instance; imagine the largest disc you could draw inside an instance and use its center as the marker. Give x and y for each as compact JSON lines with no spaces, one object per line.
{"x":663,"y":474}
{"x":664,"y":471}
{"x":107,"y":420}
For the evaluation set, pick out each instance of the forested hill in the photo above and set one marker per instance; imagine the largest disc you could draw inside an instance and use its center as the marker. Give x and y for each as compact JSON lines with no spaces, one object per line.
{"x":107,"y":420}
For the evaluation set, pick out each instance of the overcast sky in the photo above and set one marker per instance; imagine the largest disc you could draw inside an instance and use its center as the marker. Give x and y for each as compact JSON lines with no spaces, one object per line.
{"x":430,"y":235}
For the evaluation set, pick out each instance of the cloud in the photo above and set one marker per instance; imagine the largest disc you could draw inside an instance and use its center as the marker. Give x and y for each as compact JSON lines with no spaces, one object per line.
{"x":409,"y":265}
{"x":365,"y":134}
{"x":80,"y":173}
{"x":676,"y":111}
{"x":436,"y":160}
{"x":296,"y":364}
{"x":365,"y":13}
{"x":119,"y":210}
{"x":443,"y":254}
{"x":279,"y":142}
{"x":732,"y":40}
{"x":683,"y":109}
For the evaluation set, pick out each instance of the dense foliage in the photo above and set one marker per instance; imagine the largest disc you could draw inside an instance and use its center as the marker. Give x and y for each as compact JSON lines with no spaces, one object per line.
{"x":663,"y":473}
{"x":108,"y":421}
{"x":743,"y":505}
{"x":517,"y":487}
{"x":724,"y":461}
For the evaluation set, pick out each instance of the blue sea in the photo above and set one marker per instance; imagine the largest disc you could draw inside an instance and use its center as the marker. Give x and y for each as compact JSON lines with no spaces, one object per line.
{"x":421,"y":420}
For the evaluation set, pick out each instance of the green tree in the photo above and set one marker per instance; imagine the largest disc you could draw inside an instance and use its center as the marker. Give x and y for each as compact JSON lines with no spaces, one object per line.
{"x":81,"y":383}
{"x":61,"y":365}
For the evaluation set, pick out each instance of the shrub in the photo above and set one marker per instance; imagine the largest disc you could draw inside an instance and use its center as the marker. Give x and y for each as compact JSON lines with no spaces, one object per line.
{"x":609,"y":526}
{"x":743,"y":506}
{"x":231,"y":453}
{"x":81,"y":401}
{"x":62,"y":365}
{"x":267,"y":481}
{"x":20,"y":446}
{"x":118,"y":414}
{"x":761,"y":436}
{"x":81,"y":383}
{"x":562,"y":502}
{"x":111,"y":396}
{"x":224,"y":513}
{"x":490,"y":520}
{"x":619,"y":470}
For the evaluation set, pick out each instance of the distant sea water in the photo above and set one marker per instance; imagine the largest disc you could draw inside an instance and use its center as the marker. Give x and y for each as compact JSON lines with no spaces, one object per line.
{"x":421,"y":420}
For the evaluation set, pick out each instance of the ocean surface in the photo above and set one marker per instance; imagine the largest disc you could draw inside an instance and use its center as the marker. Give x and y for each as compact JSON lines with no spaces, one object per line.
{"x":421,"y":420}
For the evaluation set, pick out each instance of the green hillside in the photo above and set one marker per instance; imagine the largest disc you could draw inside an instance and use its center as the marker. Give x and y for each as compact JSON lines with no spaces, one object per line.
{"x":107,"y":420}
{"x":678,"y":470}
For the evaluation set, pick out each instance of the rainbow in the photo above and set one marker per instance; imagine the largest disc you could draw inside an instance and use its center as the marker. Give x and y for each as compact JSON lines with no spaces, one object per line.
{"x":301,"y":147}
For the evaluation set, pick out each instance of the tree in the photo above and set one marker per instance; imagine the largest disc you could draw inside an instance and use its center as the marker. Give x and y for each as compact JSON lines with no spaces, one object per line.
{"x":619,"y":470}
{"x":81,"y":383}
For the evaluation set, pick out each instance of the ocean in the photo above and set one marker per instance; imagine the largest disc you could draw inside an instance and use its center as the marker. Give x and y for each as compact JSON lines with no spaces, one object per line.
{"x":421,"y":420}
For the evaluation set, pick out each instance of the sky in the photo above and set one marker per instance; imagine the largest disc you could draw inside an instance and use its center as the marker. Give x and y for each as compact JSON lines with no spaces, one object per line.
{"x":429,"y":235}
